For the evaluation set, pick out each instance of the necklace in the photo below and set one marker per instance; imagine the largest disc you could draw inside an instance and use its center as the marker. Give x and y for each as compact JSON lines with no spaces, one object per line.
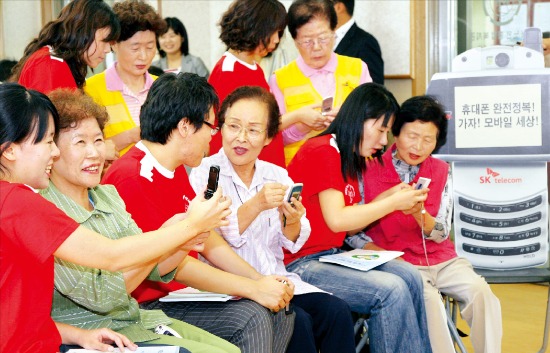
{"x":238,"y":194}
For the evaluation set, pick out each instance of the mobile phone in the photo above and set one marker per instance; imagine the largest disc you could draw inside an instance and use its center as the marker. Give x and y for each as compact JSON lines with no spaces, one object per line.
{"x":422,"y":183}
{"x":212,"y":186}
{"x":327,"y":104}
{"x":295,"y":191}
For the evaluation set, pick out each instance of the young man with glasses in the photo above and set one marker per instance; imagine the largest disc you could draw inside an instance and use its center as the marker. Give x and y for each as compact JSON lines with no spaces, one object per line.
{"x":176,"y":128}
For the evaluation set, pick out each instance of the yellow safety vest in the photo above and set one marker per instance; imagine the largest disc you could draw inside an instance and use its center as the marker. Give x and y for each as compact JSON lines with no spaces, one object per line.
{"x":298,"y":91}
{"x":120,"y":119}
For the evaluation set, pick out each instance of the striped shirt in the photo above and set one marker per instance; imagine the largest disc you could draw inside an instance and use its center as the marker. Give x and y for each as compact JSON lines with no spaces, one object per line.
{"x":262,"y":243}
{"x":91,"y":298}
{"x":133,"y":101}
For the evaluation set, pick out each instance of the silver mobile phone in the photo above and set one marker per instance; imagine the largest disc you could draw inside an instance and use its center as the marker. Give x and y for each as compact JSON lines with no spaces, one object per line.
{"x":327,"y":104}
{"x":422,"y":183}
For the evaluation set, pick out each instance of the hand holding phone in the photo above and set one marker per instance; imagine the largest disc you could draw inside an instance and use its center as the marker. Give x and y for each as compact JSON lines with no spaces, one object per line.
{"x":212,"y":186}
{"x":295,"y":192}
{"x":422,"y":183}
{"x":327,"y":105}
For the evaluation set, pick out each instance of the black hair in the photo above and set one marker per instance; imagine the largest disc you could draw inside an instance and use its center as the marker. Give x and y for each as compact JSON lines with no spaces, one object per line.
{"x":258,"y":94}
{"x":248,"y":23}
{"x":23,"y":113}
{"x":155,"y":70}
{"x":6,"y":67}
{"x":426,"y":109}
{"x":173,"y":98}
{"x":349,"y":4}
{"x":302,"y":11}
{"x":367,"y":101}
{"x":178,"y":28}
{"x":72,"y":34}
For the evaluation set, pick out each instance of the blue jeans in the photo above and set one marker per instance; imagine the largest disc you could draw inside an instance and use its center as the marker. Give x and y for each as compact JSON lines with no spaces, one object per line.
{"x":391,"y":294}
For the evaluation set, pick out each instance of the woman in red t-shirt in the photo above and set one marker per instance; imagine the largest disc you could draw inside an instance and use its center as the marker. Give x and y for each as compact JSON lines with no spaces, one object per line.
{"x":328,"y":165}
{"x":34,"y":230}
{"x":59,"y":57}
{"x":251,"y":29}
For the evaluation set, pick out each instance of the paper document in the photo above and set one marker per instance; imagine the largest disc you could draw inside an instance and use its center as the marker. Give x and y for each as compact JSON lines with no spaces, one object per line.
{"x":360,"y":259}
{"x":192,"y":294}
{"x":149,"y":349}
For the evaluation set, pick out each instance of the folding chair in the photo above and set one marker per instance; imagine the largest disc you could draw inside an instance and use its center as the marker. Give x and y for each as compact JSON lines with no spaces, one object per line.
{"x":451,"y":308}
{"x":528,"y":275}
{"x":361,"y":329}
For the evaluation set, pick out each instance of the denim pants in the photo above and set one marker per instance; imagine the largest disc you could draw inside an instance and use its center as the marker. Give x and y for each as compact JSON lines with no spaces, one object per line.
{"x":391,"y":294}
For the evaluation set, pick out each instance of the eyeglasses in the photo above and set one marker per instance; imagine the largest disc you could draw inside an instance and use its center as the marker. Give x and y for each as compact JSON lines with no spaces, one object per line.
{"x":252,"y":132}
{"x":214,"y":129}
{"x":322,"y":40}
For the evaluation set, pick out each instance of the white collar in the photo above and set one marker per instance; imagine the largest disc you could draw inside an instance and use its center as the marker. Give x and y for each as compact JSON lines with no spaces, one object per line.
{"x":230,"y":60}
{"x":341,"y":32}
{"x":148,"y":162}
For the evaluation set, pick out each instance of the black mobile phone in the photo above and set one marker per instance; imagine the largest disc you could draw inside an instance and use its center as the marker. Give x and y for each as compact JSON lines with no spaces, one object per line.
{"x":213,"y":176}
{"x":327,"y":104}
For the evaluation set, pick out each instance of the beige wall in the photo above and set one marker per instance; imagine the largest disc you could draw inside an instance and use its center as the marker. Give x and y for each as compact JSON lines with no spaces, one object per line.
{"x":20,"y":23}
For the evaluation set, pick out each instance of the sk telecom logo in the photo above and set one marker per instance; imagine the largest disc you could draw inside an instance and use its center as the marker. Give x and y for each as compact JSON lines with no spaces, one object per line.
{"x":493,"y":177}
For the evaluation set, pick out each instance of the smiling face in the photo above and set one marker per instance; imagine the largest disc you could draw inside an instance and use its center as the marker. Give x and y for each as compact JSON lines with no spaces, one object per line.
{"x":244,"y":132}
{"x":416,"y":142}
{"x":375,"y":136}
{"x":81,"y":159}
{"x":99,"y":48}
{"x":32,"y":163}
{"x":170,"y":42}
{"x":314,"y":41}
{"x":135,"y":55}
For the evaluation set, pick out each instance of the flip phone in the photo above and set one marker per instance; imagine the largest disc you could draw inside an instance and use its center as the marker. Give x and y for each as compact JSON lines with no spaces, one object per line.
{"x":213,"y":176}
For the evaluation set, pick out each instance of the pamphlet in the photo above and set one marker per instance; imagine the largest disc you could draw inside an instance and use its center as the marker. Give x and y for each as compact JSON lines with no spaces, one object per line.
{"x":148,"y":349}
{"x":360,"y":259}
{"x":190,"y":294}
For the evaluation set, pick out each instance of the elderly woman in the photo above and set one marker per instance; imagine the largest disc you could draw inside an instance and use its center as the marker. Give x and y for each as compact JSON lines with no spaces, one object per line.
{"x":263,"y":224}
{"x":421,"y":130}
{"x":317,"y":73}
{"x":122,"y":89}
{"x":88,"y":297}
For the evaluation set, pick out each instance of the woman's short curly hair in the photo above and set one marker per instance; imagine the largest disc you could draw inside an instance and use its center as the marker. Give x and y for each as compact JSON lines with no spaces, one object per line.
{"x":254,"y":93}
{"x":248,"y":23}
{"x":73,"y":106}
{"x":136,"y":16}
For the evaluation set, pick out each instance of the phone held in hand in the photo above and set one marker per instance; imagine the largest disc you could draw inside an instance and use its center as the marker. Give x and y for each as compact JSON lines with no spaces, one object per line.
{"x":422,"y":183}
{"x":295,"y":192}
{"x":327,"y":104}
{"x":212,"y":186}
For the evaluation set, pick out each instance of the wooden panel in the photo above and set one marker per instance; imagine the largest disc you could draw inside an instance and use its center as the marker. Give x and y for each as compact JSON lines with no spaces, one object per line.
{"x":46,"y":7}
{"x":418,"y":47}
